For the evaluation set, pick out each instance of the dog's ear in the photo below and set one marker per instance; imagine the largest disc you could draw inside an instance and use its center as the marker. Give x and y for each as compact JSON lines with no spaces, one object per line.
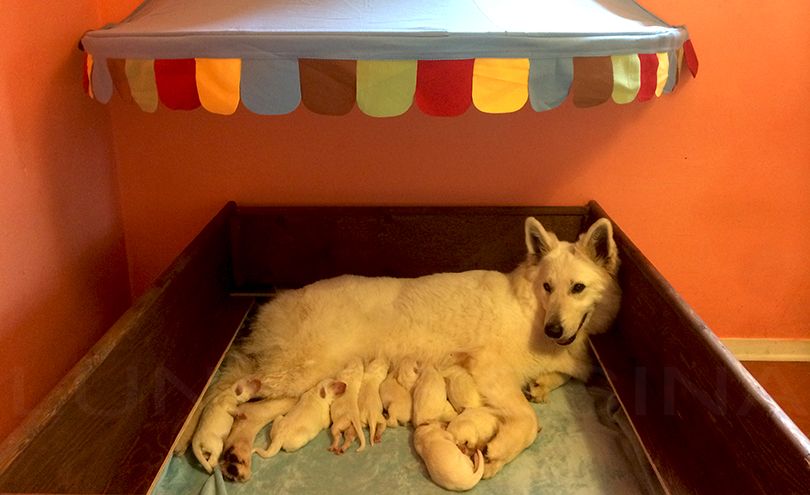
{"x":538,"y":241}
{"x":599,"y":245}
{"x":254,"y":385}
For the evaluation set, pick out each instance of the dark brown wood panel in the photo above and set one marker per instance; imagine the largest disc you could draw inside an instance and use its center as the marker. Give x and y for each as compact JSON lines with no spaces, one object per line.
{"x":297,"y":246}
{"x":705,"y":423}
{"x":114,"y":426}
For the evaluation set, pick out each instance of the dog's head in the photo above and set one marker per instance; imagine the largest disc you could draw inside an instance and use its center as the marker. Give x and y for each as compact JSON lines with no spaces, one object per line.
{"x":235,"y":463}
{"x":574,"y":283}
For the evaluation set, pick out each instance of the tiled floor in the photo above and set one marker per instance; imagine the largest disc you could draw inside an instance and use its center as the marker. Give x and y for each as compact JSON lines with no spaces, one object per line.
{"x":789,"y":385}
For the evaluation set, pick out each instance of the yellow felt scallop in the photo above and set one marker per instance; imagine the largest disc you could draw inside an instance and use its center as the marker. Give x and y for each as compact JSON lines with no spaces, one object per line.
{"x":663,"y":73}
{"x":141,"y":78}
{"x":218,"y":84}
{"x":626,"y":78}
{"x":385,"y":88}
{"x":500,"y":85}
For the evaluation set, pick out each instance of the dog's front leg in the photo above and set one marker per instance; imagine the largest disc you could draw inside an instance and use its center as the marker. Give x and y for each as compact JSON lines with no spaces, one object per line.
{"x":540,"y":388}
{"x":518,"y":427}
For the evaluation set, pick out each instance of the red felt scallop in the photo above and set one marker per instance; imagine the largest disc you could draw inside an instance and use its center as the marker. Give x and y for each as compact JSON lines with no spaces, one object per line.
{"x":444,"y":87}
{"x":177,"y":84}
{"x":691,"y":57}
{"x":649,"y":76}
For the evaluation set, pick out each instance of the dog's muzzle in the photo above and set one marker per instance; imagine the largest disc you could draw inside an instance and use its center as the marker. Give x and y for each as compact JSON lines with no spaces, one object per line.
{"x":555,"y":332}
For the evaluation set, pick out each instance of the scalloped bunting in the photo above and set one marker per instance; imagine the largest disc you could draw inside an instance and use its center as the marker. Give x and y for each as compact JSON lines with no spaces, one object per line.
{"x":549,"y":82}
{"x":649,"y":76}
{"x":626,"y":78}
{"x":385,"y":88}
{"x":270,"y":87}
{"x":218,"y":84}
{"x":500,"y":85}
{"x":141,"y":78}
{"x":444,"y":87}
{"x":176,"y":82}
{"x":328,"y":87}
{"x":593,"y":81}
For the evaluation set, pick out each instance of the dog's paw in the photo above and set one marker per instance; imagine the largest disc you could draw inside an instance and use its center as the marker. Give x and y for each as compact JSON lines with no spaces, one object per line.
{"x":234,"y":468}
{"x":538,"y":392}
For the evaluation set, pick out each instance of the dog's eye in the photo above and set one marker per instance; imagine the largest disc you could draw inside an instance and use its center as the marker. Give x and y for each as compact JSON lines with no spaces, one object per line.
{"x":547,"y":288}
{"x":577,"y":288}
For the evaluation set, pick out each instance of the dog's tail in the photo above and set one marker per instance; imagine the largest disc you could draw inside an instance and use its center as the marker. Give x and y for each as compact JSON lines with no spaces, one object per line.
{"x":358,"y":426}
{"x":198,"y":453}
{"x":274,"y":447}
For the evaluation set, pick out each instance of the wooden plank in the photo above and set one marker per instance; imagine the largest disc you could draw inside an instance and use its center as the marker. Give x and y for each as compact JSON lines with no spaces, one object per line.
{"x":705,"y":423}
{"x":297,"y":246}
{"x":109,"y":425}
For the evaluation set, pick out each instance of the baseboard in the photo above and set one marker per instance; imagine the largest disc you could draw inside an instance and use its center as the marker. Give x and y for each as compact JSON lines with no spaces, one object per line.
{"x":769,"y":349}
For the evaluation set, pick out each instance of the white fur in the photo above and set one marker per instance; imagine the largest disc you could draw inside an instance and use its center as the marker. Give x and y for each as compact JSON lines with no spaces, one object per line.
{"x":216,"y":422}
{"x":430,"y":398}
{"x":474,"y":428}
{"x":345,"y":410}
{"x":501,"y":321}
{"x":461,"y":389}
{"x":448,"y":466}
{"x":370,"y":401}
{"x":303,"y":422}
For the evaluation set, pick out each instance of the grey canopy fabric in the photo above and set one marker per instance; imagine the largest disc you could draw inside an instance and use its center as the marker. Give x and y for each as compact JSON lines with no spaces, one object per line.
{"x":272,"y":34}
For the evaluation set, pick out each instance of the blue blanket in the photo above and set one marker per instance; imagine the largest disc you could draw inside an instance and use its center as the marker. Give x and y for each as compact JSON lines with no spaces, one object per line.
{"x":585,"y":447}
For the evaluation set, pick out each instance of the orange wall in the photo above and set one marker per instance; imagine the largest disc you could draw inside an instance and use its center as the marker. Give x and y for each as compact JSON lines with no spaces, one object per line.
{"x":711,"y":181}
{"x":63,"y":272}
{"x":708,"y":181}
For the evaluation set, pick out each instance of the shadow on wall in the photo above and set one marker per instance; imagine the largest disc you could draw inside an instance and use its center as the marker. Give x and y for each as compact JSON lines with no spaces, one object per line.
{"x":66,"y":255}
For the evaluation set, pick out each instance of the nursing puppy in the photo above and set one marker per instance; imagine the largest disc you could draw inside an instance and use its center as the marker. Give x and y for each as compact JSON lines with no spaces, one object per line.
{"x":461,"y":389}
{"x":302,"y":423}
{"x":473,"y":428}
{"x":345,"y":411}
{"x":216,"y":422}
{"x":395,"y":392}
{"x":430,"y":398}
{"x":370,"y":401}
{"x":251,"y":417}
{"x":530,"y":326}
{"x":448,"y":466}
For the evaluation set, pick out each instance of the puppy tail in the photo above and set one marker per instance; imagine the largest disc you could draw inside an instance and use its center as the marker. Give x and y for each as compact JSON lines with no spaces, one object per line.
{"x":270,"y":451}
{"x":358,"y":427}
{"x":195,"y":446}
{"x":478,"y":464}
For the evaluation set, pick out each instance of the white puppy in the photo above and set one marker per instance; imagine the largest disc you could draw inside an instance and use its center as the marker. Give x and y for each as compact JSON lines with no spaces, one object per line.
{"x":474,"y":428}
{"x":309,"y":416}
{"x":395,"y":392}
{"x":370,"y":402}
{"x":430,"y":399}
{"x":461,"y":390}
{"x":345,"y":411}
{"x":216,"y":422}
{"x":448,"y":466}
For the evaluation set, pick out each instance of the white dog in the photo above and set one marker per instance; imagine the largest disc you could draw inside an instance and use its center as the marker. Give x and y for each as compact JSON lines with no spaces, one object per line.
{"x":529,"y":326}
{"x":473,"y":428}
{"x":430,"y":398}
{"x":395,"y":392}
{"x":345,"y":410}
{"x":307,"y":417}
{"x":216,"y":422}
{"x":448,"y":466}
{"x":461,"y":390}
{"x":370,"y":401}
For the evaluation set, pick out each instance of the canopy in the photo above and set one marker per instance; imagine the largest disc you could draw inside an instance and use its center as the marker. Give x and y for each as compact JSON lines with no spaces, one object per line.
{"x":384,"y":55}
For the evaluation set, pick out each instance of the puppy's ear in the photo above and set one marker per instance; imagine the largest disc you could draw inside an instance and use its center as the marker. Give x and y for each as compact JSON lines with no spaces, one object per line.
{"x":254,"y":385}
{"x":538,"y":241}
{"x":599,"y":245}
{"x":323,"y":392}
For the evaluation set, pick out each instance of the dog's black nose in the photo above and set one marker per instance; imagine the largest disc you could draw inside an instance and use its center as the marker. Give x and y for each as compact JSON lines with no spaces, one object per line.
{"x":554,"y":330}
